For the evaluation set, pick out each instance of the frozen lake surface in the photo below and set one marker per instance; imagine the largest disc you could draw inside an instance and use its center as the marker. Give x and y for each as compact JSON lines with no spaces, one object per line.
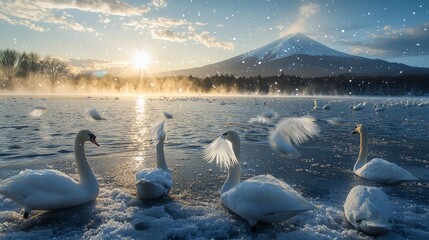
{"x":39,"y":133}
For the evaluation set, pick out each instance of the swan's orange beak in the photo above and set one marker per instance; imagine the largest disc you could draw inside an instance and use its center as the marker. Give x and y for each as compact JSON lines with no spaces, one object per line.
{"x":92,"y":139}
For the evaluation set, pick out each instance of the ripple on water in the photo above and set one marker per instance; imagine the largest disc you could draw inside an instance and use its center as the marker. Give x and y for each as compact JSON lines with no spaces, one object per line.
{"x":64,"y":151}
{"x":15,"y":146}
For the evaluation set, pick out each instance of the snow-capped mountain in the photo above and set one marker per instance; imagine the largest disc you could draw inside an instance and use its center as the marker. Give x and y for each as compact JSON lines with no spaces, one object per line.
{"x":286,"y":47}
{"x":302,"y":56}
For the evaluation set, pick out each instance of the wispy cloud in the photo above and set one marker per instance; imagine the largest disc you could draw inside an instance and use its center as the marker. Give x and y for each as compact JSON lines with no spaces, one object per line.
{"x":178,"y":30}
{"x":159,"y":3}
{"x":111,"y":7}
{"x":34,"y":14}
{"x":209,"y":41}
{"x":42,"y":15}
{"x":410,"y":41}
{"x":305,"y":13}
{"x":168,"y":35}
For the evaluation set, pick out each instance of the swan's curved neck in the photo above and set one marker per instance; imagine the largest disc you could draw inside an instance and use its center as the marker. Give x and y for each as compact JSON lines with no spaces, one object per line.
{"x":86,"y":175}
{"x":234,"y":171}
{"x":160,"y":157}
{"x":363,"y":152}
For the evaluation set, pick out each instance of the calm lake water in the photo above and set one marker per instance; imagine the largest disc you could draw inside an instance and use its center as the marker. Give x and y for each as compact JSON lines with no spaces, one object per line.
{"x":38,"y":132}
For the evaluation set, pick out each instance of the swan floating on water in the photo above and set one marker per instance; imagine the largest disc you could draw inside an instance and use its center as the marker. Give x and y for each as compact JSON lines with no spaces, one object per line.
{"x":379,"y":108}
{"x":260,"y":120}
{"x":262,"y":198}
{"x":269,"y":114}
{"x":93,"y":113}
{"x":336,"y":121}
{"x":38,"y":112}
{"x":315,"y":107}
{"x":327,"y":106}
{"x":358,"y":107}
{"x":377,"y":169}
{"x":369,"y":210}
{"x":50,"y":189}
{"x":152,"y":183}
{"x":292,"y":130}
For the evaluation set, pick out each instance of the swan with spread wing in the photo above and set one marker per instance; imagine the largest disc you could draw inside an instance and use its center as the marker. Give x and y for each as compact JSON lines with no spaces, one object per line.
{"x":262,"y":198}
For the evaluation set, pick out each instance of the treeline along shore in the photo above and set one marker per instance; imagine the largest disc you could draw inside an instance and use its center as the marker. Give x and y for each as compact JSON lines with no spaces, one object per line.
{"x":34,"y":73}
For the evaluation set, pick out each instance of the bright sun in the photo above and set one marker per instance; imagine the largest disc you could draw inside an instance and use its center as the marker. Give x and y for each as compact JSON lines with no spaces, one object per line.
{"x":141,"y":60}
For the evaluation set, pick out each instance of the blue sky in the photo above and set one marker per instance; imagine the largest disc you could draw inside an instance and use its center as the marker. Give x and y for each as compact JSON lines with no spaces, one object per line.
{"x":95,"y":34}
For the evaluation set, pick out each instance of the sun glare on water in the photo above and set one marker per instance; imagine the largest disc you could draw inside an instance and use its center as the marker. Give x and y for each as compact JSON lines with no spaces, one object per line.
{"x":141,"y":60}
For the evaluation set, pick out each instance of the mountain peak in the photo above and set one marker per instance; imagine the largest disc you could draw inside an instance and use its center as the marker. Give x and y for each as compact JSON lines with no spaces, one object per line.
{"x":291,"y":45}
{"x":297,"y":36}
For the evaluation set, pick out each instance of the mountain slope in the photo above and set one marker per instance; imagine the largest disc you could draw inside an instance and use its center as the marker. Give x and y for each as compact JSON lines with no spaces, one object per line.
{"x":302,"y":56}
{"x":286,"y":47}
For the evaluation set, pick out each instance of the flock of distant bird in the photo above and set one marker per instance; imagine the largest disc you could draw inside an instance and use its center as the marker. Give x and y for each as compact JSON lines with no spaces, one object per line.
{"x":262,"y":198}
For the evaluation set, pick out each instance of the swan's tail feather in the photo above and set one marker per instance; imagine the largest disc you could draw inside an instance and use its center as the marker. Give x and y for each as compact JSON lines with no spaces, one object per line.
{"x":221,"y":152}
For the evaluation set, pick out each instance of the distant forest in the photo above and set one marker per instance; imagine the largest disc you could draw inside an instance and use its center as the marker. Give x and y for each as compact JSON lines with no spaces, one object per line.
{"x":33,"y":73}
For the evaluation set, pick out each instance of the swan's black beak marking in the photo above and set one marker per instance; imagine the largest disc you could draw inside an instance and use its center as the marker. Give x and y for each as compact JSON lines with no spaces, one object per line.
{"x":355,"y":131}
{"x":92,"y":139}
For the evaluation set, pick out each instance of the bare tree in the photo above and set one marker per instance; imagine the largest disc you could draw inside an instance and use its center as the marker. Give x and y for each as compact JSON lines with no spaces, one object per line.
{"x":8,"y":66}
{"x":29,"y":63}
{"x":55,"y":69}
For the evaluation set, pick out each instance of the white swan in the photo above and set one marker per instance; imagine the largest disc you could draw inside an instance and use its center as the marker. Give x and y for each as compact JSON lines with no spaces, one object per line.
{"x":269,"y":114}
{"x":369,"y":210}
{"x":327,"y":106}
{"x":408,"y":104}
{"x":38,"y":112}
{"x":315,"y":107}
{"x":260,"y":119}
{"x":152,"y":183}
{"x":377,"y":169}
{"x":358,"y":107}
{"x":49,"y":189}
{"x":336,"y":121}
{"x":292,"y":130}
{"x":260,"y":198}
{"x":379,"y":108}
{"x":93,"y":113}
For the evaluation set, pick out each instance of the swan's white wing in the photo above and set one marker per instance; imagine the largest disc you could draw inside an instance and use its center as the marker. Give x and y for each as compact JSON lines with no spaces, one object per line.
{"x":369,"y":209}
{"x":293,"y":130}
{"x":283,"y":147}
{"x":41,"y":186}
{"x":297,"y":130}
{"x":383,"y":171}
{"x":265,"y":198}
{"x":157,"y":175}
{"x":220,"y":151}
{"x":158,"y":132}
